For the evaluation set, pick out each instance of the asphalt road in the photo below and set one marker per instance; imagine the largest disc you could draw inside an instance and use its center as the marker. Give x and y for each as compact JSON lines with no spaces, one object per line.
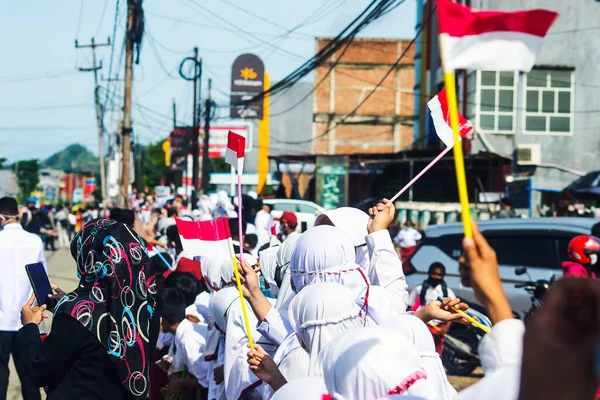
{"x":61,"y":270}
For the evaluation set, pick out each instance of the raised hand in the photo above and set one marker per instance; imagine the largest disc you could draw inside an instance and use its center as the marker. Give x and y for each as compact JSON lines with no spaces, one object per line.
{"x":382,"y":215}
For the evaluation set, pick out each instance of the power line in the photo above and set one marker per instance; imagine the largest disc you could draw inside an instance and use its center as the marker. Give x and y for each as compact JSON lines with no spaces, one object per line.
{"x":80,"y":18}
{"x":158,"y":58}
{"x":41,"y":76}
{"x":101,"y":18}
{"x":351,"y":113}
{"x":112,"y":50}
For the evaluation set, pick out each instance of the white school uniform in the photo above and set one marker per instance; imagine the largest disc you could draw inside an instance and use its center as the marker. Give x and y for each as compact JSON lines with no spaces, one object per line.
{"x":190,"y":341}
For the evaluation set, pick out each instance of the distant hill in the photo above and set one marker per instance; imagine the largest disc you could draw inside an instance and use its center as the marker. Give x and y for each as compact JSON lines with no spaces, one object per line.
{"x":73,"y":157}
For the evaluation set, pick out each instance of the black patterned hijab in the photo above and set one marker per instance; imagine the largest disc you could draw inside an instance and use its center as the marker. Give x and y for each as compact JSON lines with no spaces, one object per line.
{"x":115,"y":297}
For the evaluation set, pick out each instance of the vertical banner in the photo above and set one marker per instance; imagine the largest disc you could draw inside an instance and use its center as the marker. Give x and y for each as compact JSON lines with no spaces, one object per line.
{"x":263,"y":142}
{"x":332,"y":182}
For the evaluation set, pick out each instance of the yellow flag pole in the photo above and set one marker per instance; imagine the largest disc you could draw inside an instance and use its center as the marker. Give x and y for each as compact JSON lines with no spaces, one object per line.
{"x":459,"y":162}
{"x":236,"y":271}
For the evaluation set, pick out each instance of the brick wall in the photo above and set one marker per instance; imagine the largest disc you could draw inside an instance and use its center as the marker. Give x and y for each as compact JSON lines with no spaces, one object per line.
{"x":383,"y":123}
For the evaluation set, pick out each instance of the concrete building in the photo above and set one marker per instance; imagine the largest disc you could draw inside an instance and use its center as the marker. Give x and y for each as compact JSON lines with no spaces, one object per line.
{"x":547,"y":121}
{"x":384,"y":122}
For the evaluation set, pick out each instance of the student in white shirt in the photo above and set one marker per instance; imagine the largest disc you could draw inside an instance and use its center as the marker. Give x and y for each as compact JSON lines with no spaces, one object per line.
{"x":407,"y":239}
{"x":190,"y":341}
{"x":17,"y":249}
{"x":431,"y":288}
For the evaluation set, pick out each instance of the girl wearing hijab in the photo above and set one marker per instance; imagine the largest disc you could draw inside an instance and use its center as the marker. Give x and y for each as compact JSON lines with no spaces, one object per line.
{"x":268,"y":265}
{"x":372,"y":363}
{"x":354,"y":222}
{"x":317,"y":314}
{"x":326,"y":254}
{"x":416,"y":331}
{"x":103,"y":333}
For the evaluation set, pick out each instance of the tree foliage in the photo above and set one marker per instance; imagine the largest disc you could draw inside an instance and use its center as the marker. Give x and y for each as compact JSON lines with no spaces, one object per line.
{"x":154,"y":170}
{"x":28,"y":177}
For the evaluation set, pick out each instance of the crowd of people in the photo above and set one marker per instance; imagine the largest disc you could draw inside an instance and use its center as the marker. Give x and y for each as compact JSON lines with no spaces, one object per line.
{"x":330,"y":313}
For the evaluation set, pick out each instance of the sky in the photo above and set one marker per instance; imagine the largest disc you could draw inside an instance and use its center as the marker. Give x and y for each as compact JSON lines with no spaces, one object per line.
{"x":47,"y":104}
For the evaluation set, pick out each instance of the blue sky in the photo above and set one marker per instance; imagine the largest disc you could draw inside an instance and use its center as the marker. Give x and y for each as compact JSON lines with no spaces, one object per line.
{"x":46,"y":104}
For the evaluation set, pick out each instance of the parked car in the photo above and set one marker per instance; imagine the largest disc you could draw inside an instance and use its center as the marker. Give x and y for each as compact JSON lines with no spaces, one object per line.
{"x":539,"y":244}
{"x":306,"y":211}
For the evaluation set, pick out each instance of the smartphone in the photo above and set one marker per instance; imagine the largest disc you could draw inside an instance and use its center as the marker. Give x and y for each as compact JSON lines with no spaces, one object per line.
{"x":40,"y":284}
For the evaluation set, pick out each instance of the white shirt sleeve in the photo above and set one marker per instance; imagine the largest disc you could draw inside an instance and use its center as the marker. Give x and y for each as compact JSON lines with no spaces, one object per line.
{"x":193,"y":348}
{"x":385,"y":269}
{"x":414,"y":295}
{"x":503,"y":346}
{"x":275,"y":327}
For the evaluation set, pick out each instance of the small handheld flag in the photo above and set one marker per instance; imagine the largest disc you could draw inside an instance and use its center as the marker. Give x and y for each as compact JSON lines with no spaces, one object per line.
{"x":440,"y":113}
{"x":204,"y":238}
{"x":234,"y":154}
{"x":491,"y":40}
{"x":213,"y":239}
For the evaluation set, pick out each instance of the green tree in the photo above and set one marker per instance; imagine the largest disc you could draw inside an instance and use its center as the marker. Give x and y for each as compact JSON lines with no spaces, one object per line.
{"x":2,"y":161}
{"x":28,"y":177}
{"x":153,"y":168}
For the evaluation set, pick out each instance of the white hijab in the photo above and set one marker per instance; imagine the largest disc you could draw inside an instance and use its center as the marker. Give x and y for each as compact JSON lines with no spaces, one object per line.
{"x":372,"y":363}
{"x":308,"y":388}
{"x":417,"y":333}
{"x":326,"y":254}
{"x":354,"y":222}
{"x":318,"y":313}
{"x":268,"y":264}
{"x":226,"y":311}
{"x":284,"y":257}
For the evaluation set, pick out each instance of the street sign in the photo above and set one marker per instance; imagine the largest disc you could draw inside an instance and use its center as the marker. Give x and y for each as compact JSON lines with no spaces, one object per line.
{"x":247,"y":81}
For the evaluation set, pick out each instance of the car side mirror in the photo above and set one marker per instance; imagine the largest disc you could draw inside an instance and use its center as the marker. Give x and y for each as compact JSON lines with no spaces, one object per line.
{"x":520,"y":271}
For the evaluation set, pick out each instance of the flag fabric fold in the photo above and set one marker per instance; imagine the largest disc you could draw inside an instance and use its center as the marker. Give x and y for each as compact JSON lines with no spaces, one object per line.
{"x":440,"y":113}
{"x":234,"y":153}
{"x":205,"y":238}
{"x":491,"y":40}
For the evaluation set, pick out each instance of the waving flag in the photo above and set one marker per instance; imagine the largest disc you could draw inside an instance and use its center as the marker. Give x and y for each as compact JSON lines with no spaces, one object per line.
{"x":491,"y":40}
{"x":204,"y":238}
{"x":234,"y":154}
{"x":440,"y":114}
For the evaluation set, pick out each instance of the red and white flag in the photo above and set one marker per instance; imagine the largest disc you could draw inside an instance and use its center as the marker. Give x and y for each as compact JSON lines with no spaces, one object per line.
{"x":234,"y":154}
{"x":491,"y":40}
{"x":440,"y":113}
{"x":205,"y":238}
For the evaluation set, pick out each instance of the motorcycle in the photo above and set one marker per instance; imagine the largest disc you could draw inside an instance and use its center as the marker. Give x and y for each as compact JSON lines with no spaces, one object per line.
{"x":460,"y":355}
{"x":537,"y":289}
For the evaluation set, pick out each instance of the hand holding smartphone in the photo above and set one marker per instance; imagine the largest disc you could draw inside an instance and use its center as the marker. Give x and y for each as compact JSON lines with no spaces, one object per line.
{"x":41,"y":285}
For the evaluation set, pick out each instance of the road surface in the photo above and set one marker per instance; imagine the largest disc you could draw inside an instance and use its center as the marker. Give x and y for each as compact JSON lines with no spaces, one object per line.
{"x":62,"y":272}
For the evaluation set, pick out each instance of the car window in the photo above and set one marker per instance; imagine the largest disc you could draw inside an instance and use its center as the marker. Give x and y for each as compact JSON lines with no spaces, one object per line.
{"x":449,"y":244}
{"x":531,"y":250}
{"x":305,"y":208}
{"x":286,"y":207}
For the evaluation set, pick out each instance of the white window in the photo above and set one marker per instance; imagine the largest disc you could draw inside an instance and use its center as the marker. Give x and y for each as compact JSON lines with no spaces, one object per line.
{"x":495,"y":101}
{"x":549,"y":102}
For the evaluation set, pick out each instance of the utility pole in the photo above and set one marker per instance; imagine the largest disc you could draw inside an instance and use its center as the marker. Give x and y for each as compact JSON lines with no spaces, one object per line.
{"x":126,"y":130}
{"x":95,"y":69}
{"x":205,"y":153}
{"x":195,"y":132}
{"x":174,"y":114}
{"x":195,"y":152}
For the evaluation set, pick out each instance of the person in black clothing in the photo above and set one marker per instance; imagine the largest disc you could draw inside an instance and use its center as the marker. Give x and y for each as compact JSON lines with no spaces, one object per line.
{"x":104,"y":332}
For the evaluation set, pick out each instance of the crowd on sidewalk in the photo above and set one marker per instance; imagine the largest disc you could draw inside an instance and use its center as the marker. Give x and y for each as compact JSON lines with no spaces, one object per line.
{"x":329,"y":311}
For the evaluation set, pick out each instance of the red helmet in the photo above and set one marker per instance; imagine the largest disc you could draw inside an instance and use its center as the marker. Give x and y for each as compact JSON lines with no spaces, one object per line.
{"x":581,"y":248}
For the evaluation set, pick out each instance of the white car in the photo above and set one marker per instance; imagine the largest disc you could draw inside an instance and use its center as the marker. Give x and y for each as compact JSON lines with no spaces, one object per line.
{"x":306,"y":211}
